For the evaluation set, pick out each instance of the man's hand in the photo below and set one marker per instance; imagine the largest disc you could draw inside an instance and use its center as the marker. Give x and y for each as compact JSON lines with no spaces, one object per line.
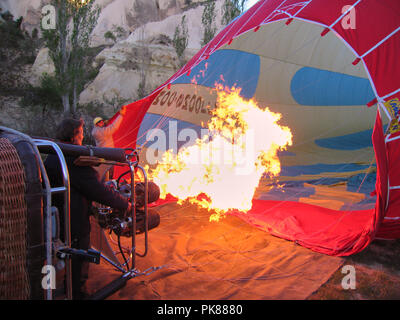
{"x":122,"y":112}
{"x":128,"y":210}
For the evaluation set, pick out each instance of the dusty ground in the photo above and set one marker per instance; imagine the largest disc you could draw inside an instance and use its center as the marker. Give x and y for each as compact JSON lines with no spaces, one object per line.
{"x":377,"y":275}
{"x":228,"y":260}
{"x":377,"y":271}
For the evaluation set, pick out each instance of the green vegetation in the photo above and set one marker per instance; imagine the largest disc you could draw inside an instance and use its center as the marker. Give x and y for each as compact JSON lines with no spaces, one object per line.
{"x":208,"y":21}
{"x":110,"y":36}
{"x":231,"y":9}
{"x":141,"y":91}
{"x":10,"y":31}
{"x":69,"y":48}
{"x":17,"y":49}
{"x":34,"y":105}
{"x":377,"y":275}
{"x":180,"y":40}
{"x":115,"y":33}
{"x":46,"y":95}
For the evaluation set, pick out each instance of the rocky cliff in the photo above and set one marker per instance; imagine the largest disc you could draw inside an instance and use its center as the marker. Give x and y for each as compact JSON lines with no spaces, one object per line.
{"x":139,"y":56}
{"x":127,"y":14}
{"x":138,"y":59}
{"x":147,"y":58}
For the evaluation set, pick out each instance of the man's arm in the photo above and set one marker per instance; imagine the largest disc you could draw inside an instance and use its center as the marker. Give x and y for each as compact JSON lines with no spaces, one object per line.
{"x":109,"y":130}
{"x":86,"y":181}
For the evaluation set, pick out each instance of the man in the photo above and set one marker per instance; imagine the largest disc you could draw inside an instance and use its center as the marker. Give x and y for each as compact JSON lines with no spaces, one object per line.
{"x":85,"y":187}
{"x":102,"y":132}
{"x":103,"y":136}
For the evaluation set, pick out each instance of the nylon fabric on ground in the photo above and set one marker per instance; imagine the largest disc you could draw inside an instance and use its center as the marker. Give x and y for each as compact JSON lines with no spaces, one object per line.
{"x":229,"y":259}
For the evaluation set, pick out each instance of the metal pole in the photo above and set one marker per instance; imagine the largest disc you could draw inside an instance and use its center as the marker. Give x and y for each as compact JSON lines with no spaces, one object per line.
{"x":67,"y":215}
{"x":146,"y":220}
{"x":133,"y":214}
{"x":113,"y":263}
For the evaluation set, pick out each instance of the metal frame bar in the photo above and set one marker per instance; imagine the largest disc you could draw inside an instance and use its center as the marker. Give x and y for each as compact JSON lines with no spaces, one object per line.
{"x":131,"y":272}
{"x":67,"y":214}
{"x":146,"y":220}
{"x":133,"y":214}
{"x":47,"y":193}
{"x":112,"y":263}
{"x":65,"y":189}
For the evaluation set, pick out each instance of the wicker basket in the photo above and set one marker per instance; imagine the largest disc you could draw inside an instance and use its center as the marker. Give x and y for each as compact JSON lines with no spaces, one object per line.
{"x":14,"y":281}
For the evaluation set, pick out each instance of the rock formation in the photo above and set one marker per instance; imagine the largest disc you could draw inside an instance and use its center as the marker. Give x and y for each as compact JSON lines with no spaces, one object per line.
{"x":140,"y":56}
{"x":146,"y":57}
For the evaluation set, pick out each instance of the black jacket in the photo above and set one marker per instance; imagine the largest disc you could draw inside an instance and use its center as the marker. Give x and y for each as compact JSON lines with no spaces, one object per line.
{"x":85,"y":187}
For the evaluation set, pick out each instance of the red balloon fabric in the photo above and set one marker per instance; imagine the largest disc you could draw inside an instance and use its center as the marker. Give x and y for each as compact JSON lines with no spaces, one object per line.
{"x":375,"y":43}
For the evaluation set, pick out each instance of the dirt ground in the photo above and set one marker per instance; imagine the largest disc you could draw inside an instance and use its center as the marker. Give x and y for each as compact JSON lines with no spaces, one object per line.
{"x":377,"y":270}
{"x":226,"y":260}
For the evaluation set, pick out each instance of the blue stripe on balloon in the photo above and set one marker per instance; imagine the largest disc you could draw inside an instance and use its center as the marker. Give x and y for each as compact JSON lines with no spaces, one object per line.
{"x":362,"y":183}
{"x":292,"y":171}
{"x":316,"y":87}
{"x":290,"y":192}
{"x":237,"y":68}
{"x":152,"y":121}
{"x":353,"y":141}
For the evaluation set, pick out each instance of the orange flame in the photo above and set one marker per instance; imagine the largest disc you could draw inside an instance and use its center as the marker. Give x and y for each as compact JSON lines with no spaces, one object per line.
{"x":222,"y":170}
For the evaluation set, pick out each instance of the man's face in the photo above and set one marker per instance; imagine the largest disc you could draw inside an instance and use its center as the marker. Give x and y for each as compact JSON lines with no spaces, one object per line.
{"x":78,"y":138}
{"x":100,"y":123}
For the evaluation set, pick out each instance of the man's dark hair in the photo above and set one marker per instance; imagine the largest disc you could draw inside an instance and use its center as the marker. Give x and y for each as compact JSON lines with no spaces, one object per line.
{"x":67,"y":129}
